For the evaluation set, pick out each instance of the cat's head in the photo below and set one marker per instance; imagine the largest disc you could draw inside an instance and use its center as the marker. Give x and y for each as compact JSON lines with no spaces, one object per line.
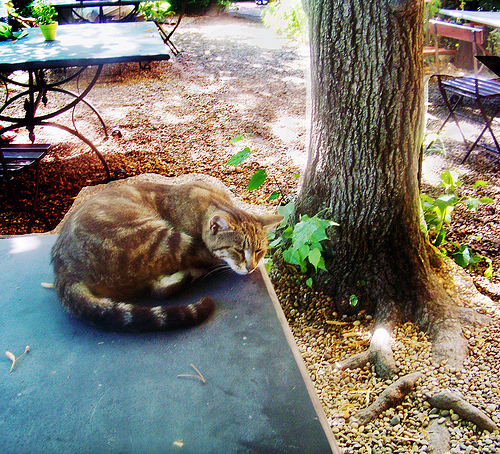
{"x":239,"y":239}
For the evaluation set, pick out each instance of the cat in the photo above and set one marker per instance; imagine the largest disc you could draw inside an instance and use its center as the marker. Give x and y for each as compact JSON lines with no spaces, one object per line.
{"x":152,"y":238}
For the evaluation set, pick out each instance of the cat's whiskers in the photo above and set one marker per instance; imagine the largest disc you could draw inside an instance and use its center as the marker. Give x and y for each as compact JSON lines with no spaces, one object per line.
{"x":217,"y":270}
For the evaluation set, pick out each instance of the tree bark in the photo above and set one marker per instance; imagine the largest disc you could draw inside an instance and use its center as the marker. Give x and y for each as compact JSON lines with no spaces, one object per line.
{"x":367,"y":116}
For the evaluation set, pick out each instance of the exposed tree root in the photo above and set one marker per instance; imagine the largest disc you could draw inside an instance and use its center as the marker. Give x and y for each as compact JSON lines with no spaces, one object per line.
{"x":439,"y":437}
{"x":392,"y":396}
{"x":354,"y":362}
{"x":379,"y":355}
{"x":448,"y":400}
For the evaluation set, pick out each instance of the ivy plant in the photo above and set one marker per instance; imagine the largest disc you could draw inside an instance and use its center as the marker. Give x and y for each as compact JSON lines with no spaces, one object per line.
{"x":436,"y":217}
{"x":260,"y":176}
{"x":302,"y":243}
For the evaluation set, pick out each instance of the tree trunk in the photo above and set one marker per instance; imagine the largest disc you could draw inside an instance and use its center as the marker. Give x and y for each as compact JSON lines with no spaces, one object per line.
{"x":363,"y":169}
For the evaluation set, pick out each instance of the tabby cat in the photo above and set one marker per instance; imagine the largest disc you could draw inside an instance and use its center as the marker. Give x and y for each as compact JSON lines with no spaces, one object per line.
{"x":151,"y":238}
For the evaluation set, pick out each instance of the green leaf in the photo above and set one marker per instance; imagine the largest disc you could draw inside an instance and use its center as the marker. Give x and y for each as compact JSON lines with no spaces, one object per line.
{"x":480,"y":183}
{"x":309,"y":282}
{"x":239,"y":157}
{"x":488,"y":272}
{"x":257,"y":179}
{"x":472,"y":203}
{"x":289,"y":257}
{"x":486,"y":200}
{"x":314,"y":257}
{"x":450,"y":180}
{"x":309,"y":230}
{"x":286,"y":211}
{"x":440,"y":237}
{"x":464,"y":256}
{"x":444,"y":203}
{"x":353,"y":300}
{"x":275,"y":243}
{"x":288,"y":232}
{"x":237,"y":138}
{"x":274,"y":196}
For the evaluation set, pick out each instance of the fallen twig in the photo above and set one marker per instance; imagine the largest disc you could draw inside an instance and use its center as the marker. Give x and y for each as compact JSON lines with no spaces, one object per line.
{"x":198,"y":377}
{"x":13,"y":358}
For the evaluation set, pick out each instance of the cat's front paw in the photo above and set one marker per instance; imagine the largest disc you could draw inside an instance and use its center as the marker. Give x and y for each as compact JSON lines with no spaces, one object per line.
{"x":167,"y":285}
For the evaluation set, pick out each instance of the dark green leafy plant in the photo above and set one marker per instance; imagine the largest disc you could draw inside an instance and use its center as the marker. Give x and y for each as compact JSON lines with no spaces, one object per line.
{"x":301,"y":243}
{"x":437,"y":216}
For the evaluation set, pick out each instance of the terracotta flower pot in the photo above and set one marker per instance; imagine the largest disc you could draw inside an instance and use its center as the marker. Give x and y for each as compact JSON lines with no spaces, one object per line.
{"x":49,"y":31}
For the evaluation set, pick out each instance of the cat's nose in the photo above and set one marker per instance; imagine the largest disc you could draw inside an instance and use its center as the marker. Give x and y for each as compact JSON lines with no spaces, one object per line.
{"x":251,"y":269}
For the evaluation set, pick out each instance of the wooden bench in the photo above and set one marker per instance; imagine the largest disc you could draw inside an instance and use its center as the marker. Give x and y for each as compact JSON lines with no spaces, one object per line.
{"x":15,"y":158}
{"x":460,"y":32}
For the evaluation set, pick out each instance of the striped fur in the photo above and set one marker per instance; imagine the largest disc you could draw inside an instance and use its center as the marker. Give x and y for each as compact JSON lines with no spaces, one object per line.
{"x":154,"y":239}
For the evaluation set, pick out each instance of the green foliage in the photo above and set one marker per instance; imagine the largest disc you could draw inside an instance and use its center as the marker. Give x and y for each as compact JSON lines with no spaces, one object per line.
{"x":43,"y":12}
{"x":437,"y":216}
{"x":193,"y":6}
{"x":473,"y":5}
{"x":434,"y":144}
{"x":158,"y":11}
{"x":301,"y":243}
{"x":259,"y":177}
{"x":286,"y":17}
{"x":493,"y":43}
{"x":22,"y":7}
{"x":239,"y":157}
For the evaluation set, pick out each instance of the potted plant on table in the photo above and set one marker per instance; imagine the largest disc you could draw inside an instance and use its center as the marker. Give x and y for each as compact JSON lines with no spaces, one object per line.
{"x":43,"y":12}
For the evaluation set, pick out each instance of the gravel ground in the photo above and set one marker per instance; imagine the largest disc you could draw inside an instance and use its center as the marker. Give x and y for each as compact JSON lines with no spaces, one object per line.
{"x":235,"y":77}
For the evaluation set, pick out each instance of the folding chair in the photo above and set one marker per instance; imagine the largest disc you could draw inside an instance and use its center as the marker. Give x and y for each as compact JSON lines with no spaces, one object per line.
{"x":167,"y":35}
{"x":454,"y":90}
{"x":15,"y":158}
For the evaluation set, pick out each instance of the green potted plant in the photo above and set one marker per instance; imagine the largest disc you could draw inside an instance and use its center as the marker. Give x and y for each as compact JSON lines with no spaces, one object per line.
{"x":43,"y":12}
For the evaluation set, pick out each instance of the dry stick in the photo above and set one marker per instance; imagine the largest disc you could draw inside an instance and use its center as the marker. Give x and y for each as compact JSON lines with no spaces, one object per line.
{"x":13,"y":358}
{"x":390,"y":397}
{"x":198,"y":377}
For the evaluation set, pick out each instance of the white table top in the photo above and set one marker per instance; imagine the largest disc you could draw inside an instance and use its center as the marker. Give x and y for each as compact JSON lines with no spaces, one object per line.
{"x":489,"y":18}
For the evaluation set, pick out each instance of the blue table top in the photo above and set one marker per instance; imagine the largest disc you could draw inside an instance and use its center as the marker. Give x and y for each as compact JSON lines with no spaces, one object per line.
{"x":84,"y":45}
{"x":83,"y":390}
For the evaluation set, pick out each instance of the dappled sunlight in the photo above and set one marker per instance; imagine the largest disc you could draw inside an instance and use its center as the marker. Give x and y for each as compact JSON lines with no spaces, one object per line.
{"x":286,"y":128}
{"x":20,"y":244}
{"x":255,"y":36}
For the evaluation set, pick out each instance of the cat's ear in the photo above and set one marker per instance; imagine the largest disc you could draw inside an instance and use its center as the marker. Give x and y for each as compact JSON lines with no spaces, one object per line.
{"x":219,"y":223}
{"x":270,"y":221}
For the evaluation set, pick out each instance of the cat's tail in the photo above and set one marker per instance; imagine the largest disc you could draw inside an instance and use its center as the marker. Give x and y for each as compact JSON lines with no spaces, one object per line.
{"x":127,"y":317}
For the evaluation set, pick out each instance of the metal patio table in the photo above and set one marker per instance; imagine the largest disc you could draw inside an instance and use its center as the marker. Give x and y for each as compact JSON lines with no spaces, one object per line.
{"x":76,"y":48}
